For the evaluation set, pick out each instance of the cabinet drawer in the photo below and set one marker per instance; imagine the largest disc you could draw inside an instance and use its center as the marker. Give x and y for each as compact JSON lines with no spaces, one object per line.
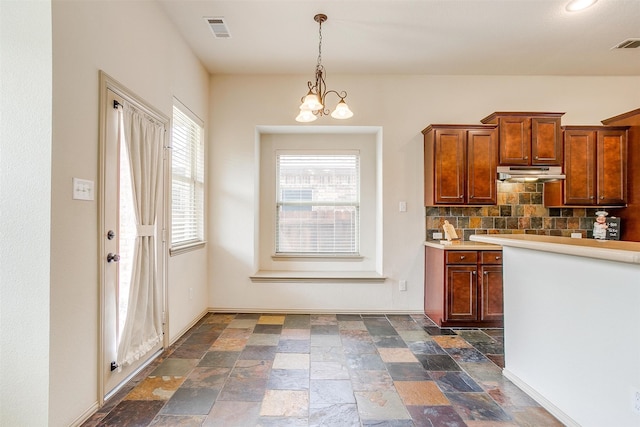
{"x":491,"y":257}
{"x":462,"y":257}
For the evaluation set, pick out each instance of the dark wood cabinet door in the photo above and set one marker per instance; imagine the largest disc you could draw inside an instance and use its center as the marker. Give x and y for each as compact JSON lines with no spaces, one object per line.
{"x":515,"y":140}
{"x":491,"y":302}
{"x":461,"y":293}
{"x":546,"y":141}
{"x":580,"y":167}
{"x":449,"y":167}
{"x":611,"y":163}
{"x":482,"y":157}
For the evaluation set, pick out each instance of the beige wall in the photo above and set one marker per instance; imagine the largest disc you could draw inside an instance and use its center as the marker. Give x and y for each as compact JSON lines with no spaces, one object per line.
{"x":25,"y":200}
{"x":402,"y":106}
{"x":136,"y":45}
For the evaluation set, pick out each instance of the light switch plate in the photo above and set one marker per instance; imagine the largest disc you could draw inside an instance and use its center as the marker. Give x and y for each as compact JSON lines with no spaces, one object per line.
{"x":83,"y":189}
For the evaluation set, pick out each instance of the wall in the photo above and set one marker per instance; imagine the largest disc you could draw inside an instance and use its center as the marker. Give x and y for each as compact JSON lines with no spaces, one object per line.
{"x":403,"y":105}
{"x":25,"y":169}
{"x":519,"y":211}
{"x":136,"y":45}
{"x":546,"y":338}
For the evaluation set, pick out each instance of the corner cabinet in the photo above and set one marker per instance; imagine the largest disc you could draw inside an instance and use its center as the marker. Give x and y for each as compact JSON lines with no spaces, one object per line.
{"x":460,"y":164}
{"x":596,"y":168}
{"x":528,"y":139}
{"x":463,"y":288}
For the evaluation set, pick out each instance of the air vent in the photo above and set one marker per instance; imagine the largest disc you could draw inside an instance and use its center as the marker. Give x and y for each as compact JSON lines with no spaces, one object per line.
{"x":628,"y":44}
{"x":219,"y":27}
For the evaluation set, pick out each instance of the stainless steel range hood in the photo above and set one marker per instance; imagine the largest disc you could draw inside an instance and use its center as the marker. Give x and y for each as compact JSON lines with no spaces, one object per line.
{"x":530,"y":173}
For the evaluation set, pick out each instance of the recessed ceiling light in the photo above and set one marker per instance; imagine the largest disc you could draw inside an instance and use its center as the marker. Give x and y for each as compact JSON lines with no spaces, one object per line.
{"x":576,"y":5}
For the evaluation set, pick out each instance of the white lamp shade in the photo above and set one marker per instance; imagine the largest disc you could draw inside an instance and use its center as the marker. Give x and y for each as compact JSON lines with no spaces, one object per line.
{"x":306,"y":116}
{"x":342,"y":111}
{"x":311,"y":102}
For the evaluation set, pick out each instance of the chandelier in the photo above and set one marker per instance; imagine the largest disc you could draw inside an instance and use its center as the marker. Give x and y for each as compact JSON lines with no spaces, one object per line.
{"x":313,"y":103}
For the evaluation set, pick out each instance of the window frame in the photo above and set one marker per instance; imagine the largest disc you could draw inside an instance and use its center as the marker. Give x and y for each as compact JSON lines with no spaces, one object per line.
{"x":196,"y":181}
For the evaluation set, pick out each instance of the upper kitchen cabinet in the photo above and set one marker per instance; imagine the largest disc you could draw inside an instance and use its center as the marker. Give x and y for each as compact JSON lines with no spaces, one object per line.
{"x":528,"y":139}
{"x":460,"y":164}
{"x":629,"y":216}
{"x":595,"y":164}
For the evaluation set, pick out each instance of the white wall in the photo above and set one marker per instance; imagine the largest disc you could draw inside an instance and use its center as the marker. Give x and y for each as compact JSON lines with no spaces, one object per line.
{"x":135,"y":44}
{"x":571,"y":335}
{"x":25,"y":169}
{"x":403,"y":106}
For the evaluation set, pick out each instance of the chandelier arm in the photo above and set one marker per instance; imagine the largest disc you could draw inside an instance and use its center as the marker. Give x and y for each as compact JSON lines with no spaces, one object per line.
{"x":342,"y":94}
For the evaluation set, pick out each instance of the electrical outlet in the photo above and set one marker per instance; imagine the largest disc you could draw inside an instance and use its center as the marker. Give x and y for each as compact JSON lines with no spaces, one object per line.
{"x":635,"y":400}
{"x":576,"y":235}
{"x":437,"y":236}
{"x":402,"y":207}
{"x":402,"y":285}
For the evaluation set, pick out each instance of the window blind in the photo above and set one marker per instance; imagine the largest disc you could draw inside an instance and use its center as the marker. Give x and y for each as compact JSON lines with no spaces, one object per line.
{"x":187,"y":180}
{"x":318,"y":203}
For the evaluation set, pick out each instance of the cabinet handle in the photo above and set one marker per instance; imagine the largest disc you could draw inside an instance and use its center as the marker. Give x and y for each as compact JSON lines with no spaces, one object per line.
{"x":460,"y":196}
{"x":471,"y":196}
{"x":591,"y":197}
{"x":486,"y":273}
{"x":497,"y":257}
{"x":536,"y":157}
{"x":601,"y":197}
{"x":461,"y":256}
{"x":473,"y":272}
{"x":526,"y":157}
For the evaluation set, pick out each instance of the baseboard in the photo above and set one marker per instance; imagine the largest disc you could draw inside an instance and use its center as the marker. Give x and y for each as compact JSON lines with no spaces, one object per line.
{"x":308,"y":311}
{"x":85,"y":415}
{"x":189,"y":326}
{"x":543,"y":401}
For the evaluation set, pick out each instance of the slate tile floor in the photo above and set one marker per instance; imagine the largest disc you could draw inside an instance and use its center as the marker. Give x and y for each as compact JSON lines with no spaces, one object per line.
{"x":325,"y":370}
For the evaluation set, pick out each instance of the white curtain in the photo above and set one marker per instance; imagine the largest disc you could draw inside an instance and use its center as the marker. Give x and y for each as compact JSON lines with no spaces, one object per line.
{"x":143,"y":325}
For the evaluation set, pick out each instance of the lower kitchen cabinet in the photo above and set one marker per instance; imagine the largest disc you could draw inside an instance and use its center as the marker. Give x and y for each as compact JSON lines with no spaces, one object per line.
{"x":463,"y":287}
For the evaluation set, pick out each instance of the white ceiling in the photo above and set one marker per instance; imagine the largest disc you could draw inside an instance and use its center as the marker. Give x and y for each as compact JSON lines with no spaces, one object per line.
{"x":441,"y":37}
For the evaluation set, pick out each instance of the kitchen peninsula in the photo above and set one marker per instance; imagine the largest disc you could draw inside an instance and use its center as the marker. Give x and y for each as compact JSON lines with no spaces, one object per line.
{"x":572,"y":325}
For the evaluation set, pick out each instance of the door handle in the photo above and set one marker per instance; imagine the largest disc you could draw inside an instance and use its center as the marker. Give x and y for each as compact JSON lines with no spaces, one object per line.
{"x":113,"y":257}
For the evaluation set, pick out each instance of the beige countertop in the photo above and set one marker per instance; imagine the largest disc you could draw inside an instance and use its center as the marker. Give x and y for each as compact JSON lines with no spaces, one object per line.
{"x":463,"y":246}
{"x":611,"y":250}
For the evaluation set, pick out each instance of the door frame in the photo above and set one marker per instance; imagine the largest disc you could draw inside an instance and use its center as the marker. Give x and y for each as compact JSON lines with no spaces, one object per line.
{"x":108,"y":83}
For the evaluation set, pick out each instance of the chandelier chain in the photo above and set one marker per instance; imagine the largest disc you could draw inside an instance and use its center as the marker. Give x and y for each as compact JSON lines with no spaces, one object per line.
{"x":319,"y":64}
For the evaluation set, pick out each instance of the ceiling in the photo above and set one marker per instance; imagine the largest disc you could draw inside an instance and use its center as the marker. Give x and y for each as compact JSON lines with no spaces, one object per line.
{"x":438,"y":37}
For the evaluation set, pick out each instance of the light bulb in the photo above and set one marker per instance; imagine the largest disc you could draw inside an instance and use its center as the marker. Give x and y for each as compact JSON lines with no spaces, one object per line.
{"x":577,"y":5}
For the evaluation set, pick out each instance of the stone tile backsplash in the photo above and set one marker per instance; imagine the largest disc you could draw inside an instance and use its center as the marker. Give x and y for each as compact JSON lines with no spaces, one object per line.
{"x":519,"y":211}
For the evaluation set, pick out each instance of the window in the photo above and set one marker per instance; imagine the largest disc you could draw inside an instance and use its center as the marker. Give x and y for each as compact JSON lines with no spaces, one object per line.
{"x":187,"y":180}
{"x":318,"y":203}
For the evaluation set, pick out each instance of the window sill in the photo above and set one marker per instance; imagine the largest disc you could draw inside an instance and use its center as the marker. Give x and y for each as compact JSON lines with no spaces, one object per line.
{"x":186,"y":248}
{"x":313,"y":257}
{"x":317,"y":276}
